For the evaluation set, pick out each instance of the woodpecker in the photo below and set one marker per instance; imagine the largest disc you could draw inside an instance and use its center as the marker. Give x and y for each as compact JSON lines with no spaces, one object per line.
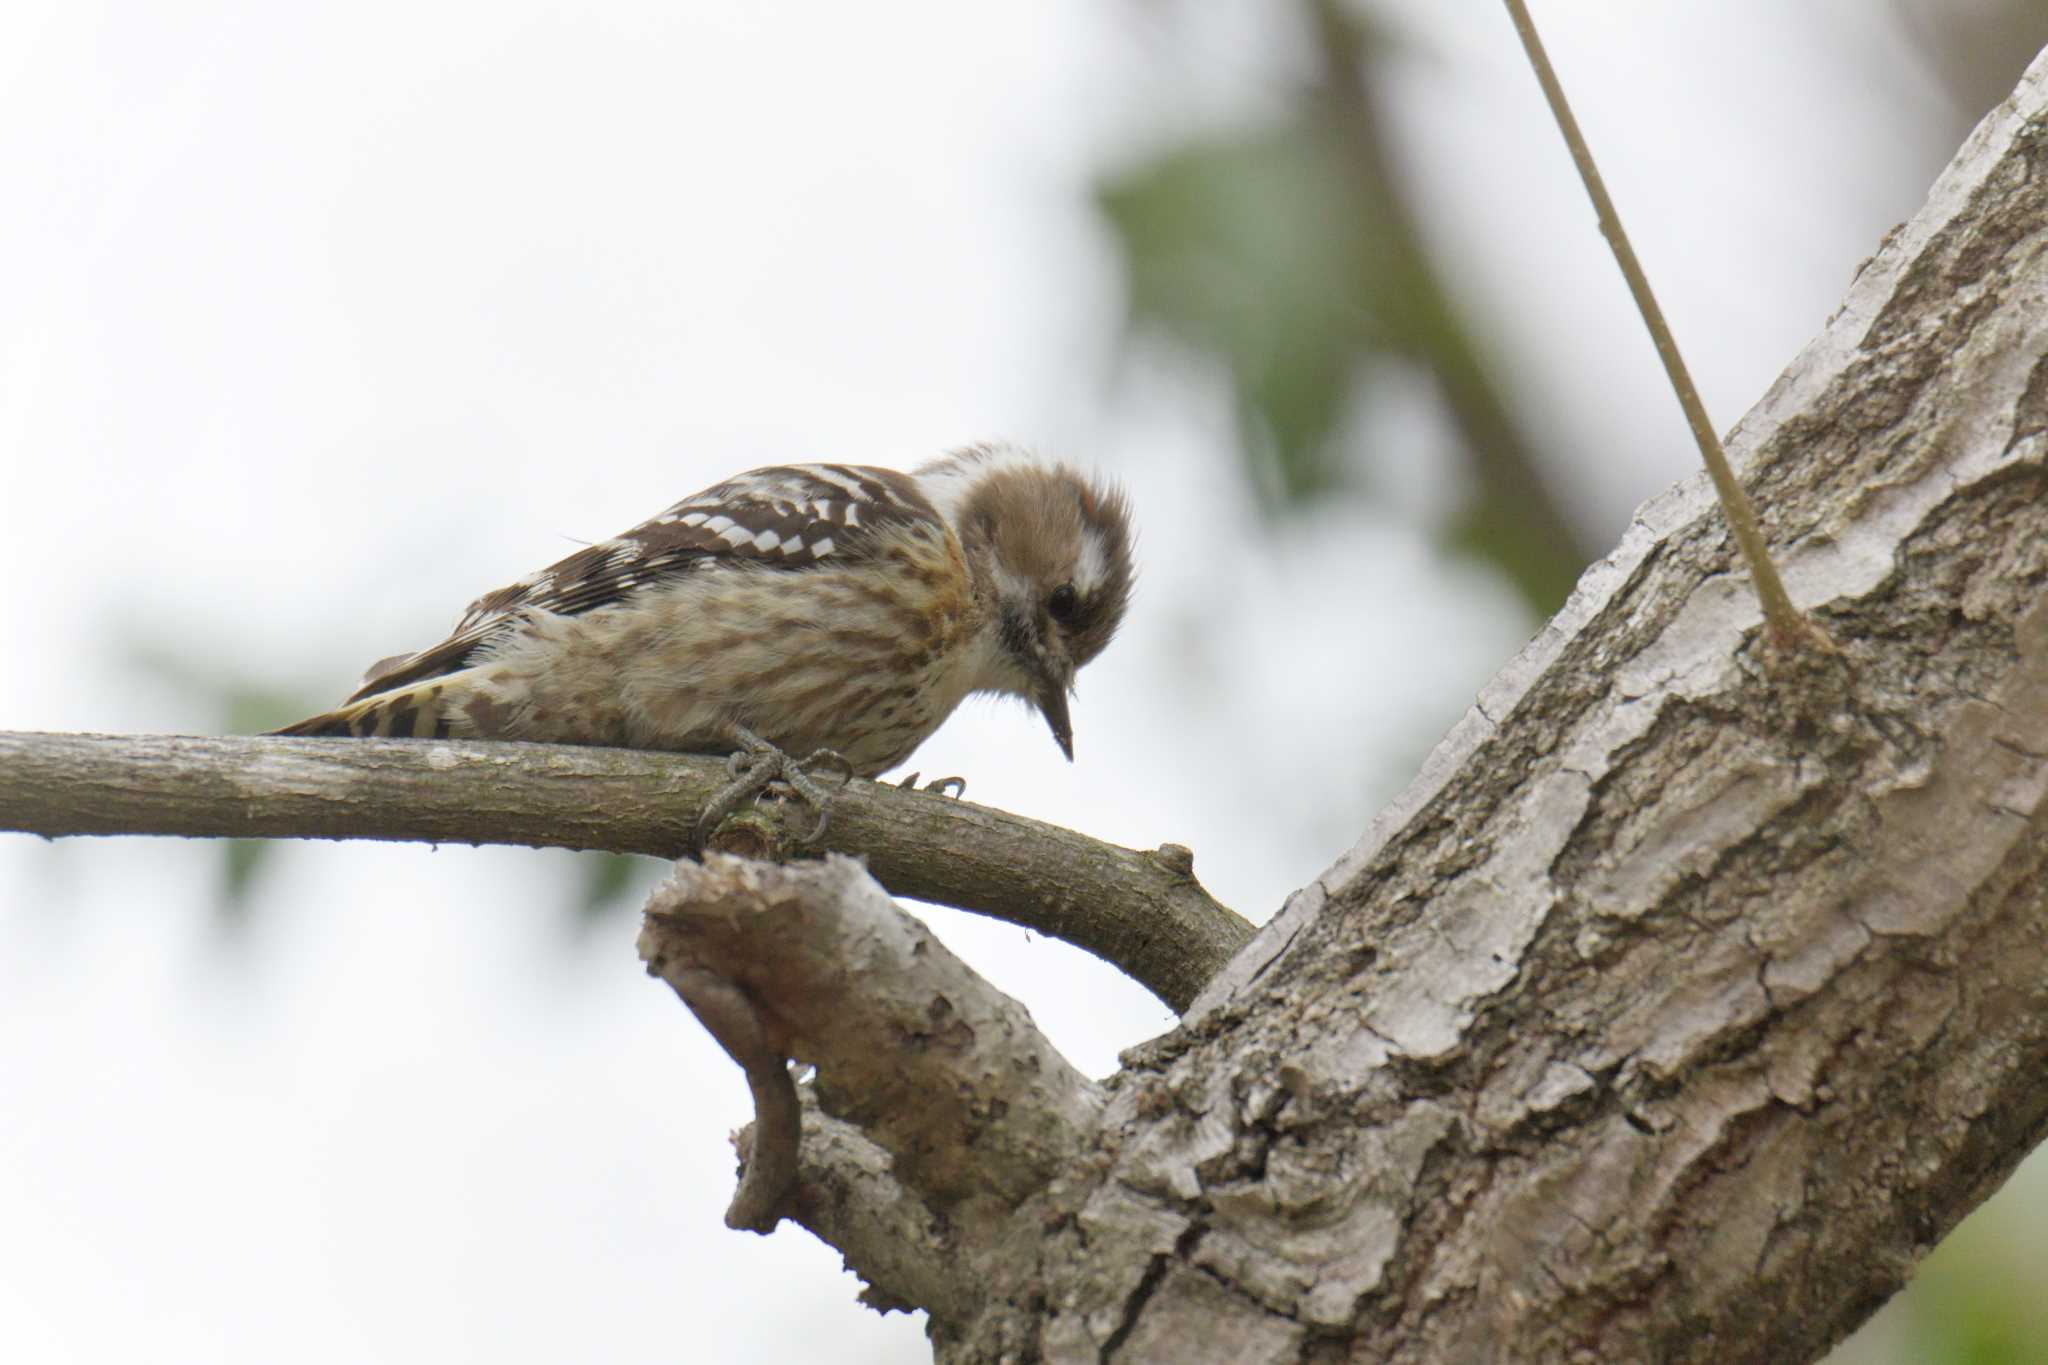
{"x":794,"y":608}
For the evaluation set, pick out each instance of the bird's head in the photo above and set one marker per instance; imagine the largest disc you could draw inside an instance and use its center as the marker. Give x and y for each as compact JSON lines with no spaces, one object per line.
{"x":1052,"y":548}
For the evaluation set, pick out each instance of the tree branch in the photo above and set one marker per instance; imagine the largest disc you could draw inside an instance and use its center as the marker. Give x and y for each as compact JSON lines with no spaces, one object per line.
{"x":846,"y":1195}
{"x":769,"y":1155}
{"x":975,"y":1109}
{"x":1144,"y":913}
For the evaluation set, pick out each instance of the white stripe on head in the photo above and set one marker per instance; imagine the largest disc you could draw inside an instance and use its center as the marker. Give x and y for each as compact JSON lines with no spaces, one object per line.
{"x":1094,"y":564}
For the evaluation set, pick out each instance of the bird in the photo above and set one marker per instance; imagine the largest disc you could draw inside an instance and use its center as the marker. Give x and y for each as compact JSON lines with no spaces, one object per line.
{"x":831,"y":610}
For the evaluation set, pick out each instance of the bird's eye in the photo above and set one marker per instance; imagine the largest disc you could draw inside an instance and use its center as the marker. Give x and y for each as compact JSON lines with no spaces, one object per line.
{"x":1063,"y":603}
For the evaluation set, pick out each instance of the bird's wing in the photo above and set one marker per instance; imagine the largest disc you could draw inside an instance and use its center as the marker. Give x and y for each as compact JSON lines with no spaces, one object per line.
{"x":787,"y":517}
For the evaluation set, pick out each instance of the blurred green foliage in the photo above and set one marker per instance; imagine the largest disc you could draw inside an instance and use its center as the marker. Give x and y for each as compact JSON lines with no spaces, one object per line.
{"x":605,"y":882}
{"x":1252,"y":249}
{"x":1290,"y":254}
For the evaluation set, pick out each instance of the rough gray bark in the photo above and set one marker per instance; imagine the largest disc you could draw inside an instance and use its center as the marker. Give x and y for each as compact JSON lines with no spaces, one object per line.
{"x":1685,"y":999}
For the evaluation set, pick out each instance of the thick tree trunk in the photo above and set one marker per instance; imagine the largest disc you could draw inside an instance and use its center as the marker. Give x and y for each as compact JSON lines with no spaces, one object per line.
{"x":1687,"y":998}
{"x":1691,"y":994}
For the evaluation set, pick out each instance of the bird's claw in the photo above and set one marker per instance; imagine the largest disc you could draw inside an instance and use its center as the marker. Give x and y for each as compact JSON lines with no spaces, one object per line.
{"x":938,"y":786}
{"x":758,"y":766}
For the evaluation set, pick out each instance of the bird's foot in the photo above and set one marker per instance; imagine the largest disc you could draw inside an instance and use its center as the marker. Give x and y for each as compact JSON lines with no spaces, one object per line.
{"x":758,"y":766}
{"x":938,"y":786}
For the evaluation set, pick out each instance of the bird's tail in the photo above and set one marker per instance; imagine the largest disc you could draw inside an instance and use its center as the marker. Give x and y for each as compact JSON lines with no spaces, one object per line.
{"x":419,"y":711}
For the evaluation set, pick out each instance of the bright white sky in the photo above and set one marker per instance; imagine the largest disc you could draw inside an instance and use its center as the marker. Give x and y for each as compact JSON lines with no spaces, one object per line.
{"x":318,"y":320}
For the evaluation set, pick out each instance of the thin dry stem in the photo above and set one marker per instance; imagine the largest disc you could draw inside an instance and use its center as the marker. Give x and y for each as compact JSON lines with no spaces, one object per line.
{"x":1788,"y":626}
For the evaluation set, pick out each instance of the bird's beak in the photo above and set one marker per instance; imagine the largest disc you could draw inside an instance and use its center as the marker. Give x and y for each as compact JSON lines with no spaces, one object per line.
{"x":1051,"y":697}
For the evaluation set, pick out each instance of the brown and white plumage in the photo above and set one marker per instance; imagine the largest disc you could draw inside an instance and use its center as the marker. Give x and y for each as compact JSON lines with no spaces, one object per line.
{"x":827,"y":606}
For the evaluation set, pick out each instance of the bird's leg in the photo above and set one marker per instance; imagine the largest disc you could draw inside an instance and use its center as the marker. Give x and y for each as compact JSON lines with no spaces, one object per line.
{"x":938,"y":786}
{"x":755,"y":766}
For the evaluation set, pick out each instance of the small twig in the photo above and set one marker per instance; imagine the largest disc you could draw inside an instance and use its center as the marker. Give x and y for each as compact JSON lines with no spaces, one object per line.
{"x":769,"y":1162}
{"x":1788,"y":626}
{"x":847,"y":1194}
{"x":951,"y":1077}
